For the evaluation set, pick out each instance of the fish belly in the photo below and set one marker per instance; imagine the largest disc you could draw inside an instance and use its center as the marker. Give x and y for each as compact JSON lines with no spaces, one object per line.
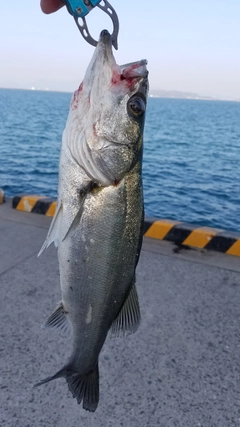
{"x":97,"y":264}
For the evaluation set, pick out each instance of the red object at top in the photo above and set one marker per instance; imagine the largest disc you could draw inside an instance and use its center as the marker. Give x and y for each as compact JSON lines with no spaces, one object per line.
{"x":50,"y":6}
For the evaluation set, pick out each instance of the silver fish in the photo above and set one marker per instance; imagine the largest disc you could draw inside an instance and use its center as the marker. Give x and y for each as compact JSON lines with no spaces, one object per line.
{"x":99,"y":218}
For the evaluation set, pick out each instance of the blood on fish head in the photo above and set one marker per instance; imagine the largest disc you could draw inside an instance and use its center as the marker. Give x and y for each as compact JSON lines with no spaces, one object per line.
{"x":104,"y":79}
{"x":107,"y":114}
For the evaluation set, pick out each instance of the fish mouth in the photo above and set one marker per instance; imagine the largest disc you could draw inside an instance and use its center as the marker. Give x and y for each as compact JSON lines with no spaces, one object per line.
{"x":135,"y":76}
{"x":105,"y":45}
{"x":105,"y":37}
{"x":134,"y":69}
{"x":130,"y":72}
{"x":104,"y":74}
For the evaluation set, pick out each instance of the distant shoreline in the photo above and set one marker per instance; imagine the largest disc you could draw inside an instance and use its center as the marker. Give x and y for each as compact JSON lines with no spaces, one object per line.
{"x":152,"y":94}
{"x":194,"y":99}
{"x":174,"y":94}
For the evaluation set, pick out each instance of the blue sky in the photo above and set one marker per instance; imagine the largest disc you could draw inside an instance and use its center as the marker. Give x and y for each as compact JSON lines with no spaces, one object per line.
{"x":190,"y":45}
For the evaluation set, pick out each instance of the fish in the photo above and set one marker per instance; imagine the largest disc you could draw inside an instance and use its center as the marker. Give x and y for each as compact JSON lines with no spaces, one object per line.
{"x":98,"y":223}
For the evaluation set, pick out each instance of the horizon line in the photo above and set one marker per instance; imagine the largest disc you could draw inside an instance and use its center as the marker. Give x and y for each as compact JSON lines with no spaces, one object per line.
{"x":188,"y":95}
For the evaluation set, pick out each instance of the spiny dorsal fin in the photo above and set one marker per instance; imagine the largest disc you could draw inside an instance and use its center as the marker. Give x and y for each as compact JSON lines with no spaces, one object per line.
{"x":58,"y":319}
{"x":128,"y":319}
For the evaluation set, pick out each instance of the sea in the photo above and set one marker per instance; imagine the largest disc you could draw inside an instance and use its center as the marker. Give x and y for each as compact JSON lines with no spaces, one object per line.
{"x":191,"y":162}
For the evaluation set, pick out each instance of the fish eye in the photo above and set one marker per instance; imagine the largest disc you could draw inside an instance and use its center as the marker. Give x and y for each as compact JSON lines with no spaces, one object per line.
{"x":136,"y":106}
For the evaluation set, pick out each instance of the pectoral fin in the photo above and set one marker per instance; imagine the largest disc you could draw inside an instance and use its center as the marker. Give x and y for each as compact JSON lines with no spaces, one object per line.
{"x":54,"y":230}
{"x":83,"y":192}
{"x":128,"y":319}
{"x":75,"y":222}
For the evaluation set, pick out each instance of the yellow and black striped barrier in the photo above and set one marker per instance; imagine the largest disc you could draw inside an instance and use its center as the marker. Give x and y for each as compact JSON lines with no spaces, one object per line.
{"x":184,"y":234}
{"x":2,"y":196}
{"x":35,"y":204}
{"x":180,"y":233}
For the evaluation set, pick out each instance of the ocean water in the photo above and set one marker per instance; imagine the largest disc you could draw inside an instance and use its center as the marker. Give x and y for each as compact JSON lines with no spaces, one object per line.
{"x":191,"y":167}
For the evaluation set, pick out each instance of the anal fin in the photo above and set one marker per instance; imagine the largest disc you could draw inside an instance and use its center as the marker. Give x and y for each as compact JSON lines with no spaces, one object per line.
{"x":129,"y":317}
{"x":58,"y":319}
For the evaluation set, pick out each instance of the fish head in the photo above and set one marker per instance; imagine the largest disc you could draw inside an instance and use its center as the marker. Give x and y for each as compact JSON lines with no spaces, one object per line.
{"x":107,"y":115}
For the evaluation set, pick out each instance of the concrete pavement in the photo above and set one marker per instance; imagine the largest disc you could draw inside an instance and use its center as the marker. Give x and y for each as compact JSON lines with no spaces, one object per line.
{"x":180,"y":369}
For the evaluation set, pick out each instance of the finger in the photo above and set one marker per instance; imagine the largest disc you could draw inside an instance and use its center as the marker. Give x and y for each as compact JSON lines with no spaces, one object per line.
{"x":50,"y":6}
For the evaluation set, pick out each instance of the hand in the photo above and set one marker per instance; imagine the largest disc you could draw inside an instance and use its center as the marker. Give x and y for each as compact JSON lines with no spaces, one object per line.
{"x":50,"y":6}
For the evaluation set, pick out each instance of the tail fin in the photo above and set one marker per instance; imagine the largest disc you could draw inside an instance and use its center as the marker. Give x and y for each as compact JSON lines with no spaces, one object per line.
{"x":85,"y":388}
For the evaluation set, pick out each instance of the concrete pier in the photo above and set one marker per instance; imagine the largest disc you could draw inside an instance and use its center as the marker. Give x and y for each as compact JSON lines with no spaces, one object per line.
{"x":181,"y":369}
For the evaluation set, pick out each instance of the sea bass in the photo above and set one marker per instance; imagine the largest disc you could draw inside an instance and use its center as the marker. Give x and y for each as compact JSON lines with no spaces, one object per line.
{"x":99,"y":217}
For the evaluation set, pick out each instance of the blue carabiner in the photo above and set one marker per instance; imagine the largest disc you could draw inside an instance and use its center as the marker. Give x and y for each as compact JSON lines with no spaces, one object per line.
{"x":80,"y":8}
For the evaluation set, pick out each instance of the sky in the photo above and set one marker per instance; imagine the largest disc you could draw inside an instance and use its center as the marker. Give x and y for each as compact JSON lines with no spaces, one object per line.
{"x":190,"y":45}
